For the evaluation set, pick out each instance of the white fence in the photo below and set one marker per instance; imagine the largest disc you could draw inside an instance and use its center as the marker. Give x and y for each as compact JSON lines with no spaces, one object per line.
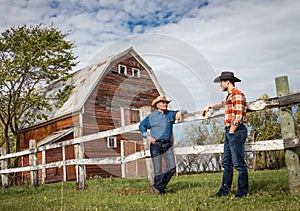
{"x":80,"y":161}
{"x":203,"y":149}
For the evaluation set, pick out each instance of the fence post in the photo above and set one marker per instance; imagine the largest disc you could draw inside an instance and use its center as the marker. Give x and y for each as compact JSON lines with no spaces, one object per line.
{"x":144,"y":111}
{"x":288,"y":131}
{"x":44,"y":170}
{"x":123,"y":174}
{"x":4,"y":165}
{"x":33,"y":162}
{"x":64,"y":163}
{"x":79,"y":154}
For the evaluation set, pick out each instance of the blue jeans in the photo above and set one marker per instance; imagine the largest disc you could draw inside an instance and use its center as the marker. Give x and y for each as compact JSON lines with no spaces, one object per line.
{"x":234,"y":157}
{"x":159,"y":150}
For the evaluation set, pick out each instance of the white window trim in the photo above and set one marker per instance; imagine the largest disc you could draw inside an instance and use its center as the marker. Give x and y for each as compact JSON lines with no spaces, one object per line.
{"x":138,"y":72}
{"x":115,"y":141}
{"x":123,"y":115}
{"x":119,"y":69}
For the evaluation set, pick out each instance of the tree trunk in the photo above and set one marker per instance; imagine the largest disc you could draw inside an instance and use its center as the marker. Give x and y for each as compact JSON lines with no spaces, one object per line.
{"x":6,"y":141}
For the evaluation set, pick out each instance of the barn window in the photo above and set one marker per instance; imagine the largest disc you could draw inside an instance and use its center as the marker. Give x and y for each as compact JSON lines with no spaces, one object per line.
{"x":135,"y":72}
{"x":129,"y":116}
{"x":122,"y":69}
{"x":112,"y":142}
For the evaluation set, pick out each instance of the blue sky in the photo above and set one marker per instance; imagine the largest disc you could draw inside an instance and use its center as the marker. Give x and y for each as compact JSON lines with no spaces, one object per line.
{"x":187,"y":43}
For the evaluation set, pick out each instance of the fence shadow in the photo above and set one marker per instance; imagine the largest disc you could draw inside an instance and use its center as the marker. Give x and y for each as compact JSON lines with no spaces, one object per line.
{"x":181,"y":185}
{"x":269,"y":181}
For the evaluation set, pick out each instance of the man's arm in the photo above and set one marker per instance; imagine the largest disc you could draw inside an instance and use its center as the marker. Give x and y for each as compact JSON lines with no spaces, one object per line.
{"x":144,"y":126}
{"x":238,"y":101}
{"x":216,"y":106}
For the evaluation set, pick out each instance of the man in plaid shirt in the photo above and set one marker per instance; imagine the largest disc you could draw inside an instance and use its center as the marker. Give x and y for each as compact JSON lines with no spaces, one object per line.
{"x":235,"y":136}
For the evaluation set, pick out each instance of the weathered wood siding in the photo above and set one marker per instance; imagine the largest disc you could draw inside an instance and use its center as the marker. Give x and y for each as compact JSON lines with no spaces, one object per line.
{"x":102,"y":110}
{"x":135,"y":168}
{"x":56,"y":174}
{"x":52,"y":174}
{"x":46,"y":130}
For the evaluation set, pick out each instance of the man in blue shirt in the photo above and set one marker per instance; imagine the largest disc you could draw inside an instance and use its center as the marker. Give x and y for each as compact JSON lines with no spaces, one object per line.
{"x":160,"y":122}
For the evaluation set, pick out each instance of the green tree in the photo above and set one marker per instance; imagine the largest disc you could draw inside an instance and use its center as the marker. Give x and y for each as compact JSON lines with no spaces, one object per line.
{"x":31,"y":58}
{"x":265,"y":125}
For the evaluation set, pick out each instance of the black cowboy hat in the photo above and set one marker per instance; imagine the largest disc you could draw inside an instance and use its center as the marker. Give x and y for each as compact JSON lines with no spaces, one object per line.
{"x":227,"y":76}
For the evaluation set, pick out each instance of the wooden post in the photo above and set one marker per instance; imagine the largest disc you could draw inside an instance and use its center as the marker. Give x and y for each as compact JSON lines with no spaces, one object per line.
{"x":44,"y":170}
{"x":79,"y":154}
{"x":64,"y":164}
{"x":288,"y":131}
{"x":123,"y":175}
{"x":144,"y":111}
{"x":33,"y":162}
{"x":22,"y":161}
{"x":4,"y":165}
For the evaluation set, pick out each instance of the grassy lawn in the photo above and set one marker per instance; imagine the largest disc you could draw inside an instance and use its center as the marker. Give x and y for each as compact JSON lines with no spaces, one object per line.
{"x":268,"y":191}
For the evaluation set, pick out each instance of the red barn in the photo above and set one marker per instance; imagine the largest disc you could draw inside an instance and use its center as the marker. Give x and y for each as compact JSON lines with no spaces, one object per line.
{"x":105,"y":96}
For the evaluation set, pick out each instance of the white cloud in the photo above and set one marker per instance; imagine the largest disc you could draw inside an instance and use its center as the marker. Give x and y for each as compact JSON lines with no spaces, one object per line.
{"x":255,"y":39}
{"x":258,"y":39}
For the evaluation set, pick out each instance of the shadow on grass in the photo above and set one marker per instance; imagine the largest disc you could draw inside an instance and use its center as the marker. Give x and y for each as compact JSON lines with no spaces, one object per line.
{"x":265,"y":186}
{"x":259,"y":182}
{"x":182,"y":185}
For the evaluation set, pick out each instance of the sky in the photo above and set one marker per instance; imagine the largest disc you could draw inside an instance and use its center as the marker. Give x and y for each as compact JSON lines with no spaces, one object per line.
{"x":188,"y":43}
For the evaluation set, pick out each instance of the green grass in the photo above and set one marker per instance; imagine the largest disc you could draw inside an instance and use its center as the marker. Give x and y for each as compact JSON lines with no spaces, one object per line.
{"x":268,"y":191}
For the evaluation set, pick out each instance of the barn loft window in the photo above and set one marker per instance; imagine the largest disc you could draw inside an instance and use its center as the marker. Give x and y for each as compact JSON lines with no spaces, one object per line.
{"x":122,"y":69}
{"x":135,"y":72}
{"x":112,"y":142}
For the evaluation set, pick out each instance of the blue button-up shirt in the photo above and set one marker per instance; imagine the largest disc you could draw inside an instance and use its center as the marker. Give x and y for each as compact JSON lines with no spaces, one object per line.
{"x":160,"y":124}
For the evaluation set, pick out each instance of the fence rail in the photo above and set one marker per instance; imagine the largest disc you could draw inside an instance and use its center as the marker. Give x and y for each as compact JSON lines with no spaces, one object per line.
{"x":280,"y":144}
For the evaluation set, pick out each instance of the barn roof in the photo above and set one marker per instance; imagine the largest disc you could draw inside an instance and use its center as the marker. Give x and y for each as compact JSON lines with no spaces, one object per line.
{"x":83,"y":82}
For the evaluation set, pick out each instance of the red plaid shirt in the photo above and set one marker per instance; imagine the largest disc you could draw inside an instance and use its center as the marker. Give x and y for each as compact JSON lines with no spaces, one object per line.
{"x":235,"y":108}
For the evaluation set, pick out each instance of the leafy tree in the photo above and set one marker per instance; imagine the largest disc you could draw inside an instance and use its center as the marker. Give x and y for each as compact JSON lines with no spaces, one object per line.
{"x":265,"y":125}
{"x":297,"y":123}
{"x":31,"y":57}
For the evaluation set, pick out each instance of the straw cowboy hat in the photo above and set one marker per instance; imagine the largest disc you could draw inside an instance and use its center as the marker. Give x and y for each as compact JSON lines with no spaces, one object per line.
{"x":160,"y":99}
{"x":227,"y":76}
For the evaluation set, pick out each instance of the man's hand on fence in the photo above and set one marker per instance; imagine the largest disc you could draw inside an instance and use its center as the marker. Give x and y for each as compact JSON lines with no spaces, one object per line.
{"x":179,"y":115}
{"x":204,"y":112}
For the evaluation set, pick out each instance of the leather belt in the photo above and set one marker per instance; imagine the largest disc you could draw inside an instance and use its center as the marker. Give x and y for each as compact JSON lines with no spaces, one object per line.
{"x":163,"y":141}
{"x":228,"y":127}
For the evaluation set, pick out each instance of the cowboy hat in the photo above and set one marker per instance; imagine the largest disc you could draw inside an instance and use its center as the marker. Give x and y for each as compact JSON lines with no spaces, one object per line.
{"x":227,"y":76}
{"x":160,"y":99}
